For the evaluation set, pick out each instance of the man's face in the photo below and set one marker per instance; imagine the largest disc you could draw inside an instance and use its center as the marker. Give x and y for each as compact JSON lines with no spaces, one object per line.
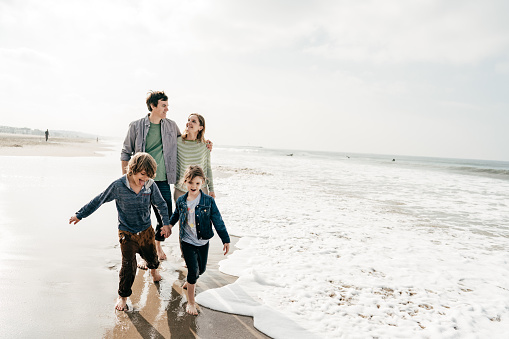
{"x":161,"y":109}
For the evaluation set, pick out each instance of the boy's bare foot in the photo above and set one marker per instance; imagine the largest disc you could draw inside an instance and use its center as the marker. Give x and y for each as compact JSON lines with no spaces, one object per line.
{"x":192,"y":309}
{"x":160,"y":253}
{"x":142,"y":265}
{"x":121,"y":304}
{"x":155,"y":275}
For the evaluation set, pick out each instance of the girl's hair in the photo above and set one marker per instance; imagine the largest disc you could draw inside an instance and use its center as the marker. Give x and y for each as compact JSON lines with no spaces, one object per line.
{"x":153,"y":98}
{"x":142,"y":162}
{"x":201,"y":134}
{"x":192,"y":172}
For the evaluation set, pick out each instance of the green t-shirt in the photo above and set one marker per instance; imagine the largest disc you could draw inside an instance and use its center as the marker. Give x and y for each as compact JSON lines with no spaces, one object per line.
{"x":154,"y":147}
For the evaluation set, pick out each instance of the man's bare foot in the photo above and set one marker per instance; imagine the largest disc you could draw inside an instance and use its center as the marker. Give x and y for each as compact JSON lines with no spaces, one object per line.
{"x":192,"y":309}
{"x":160,"y":253}
{"x":121,"y":304}
{"x":142,"y":265}
{"x":155,"y":275}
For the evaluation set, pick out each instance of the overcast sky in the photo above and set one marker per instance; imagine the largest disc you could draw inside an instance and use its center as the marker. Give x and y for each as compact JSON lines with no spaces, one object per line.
{"x":427,"y":78}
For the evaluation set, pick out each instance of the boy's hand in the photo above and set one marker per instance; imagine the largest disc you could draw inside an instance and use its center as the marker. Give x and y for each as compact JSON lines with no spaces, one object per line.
{"x":74,"y":219}
{"x":166,"y":231}
{"x":209,"y":145}
{"x":226,"y":248}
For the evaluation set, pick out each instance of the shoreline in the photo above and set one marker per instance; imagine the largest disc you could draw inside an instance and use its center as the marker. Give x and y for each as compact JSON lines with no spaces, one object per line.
{"x":35,"y":145}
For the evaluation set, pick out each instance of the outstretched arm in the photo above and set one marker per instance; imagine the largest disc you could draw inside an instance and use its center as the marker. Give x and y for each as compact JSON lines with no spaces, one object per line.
{"x":74,"y":219}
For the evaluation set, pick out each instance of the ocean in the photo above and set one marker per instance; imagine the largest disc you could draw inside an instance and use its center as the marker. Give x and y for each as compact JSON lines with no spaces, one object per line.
{"x":333,"y":245}
{"x":356,"y":245}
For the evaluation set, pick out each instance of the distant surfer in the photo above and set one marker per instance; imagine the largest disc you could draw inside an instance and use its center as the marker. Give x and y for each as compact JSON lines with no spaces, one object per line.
{"x":46,"y":134}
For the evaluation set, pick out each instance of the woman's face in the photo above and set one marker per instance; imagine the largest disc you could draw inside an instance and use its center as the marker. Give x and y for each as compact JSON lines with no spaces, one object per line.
{"x":193,"y":124}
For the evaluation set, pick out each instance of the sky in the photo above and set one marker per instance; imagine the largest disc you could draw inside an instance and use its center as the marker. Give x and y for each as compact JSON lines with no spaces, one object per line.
{"x":424,"y":78}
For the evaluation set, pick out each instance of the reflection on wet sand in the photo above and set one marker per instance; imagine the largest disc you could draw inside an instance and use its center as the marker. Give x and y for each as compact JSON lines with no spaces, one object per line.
{"x":157,"y":310}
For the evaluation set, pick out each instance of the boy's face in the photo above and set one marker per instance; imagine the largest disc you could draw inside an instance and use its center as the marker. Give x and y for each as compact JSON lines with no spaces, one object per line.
{"x":194,"y":185}
{"x":161,"y":109}
{"x":140,"y":178}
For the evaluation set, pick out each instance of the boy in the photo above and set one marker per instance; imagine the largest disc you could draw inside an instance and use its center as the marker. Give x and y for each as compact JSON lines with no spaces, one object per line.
{"x":133,"y":193}
{"x":196,"y":212}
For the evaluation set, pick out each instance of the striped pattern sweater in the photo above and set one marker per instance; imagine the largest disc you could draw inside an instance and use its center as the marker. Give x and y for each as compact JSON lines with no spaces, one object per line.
{"x":193,"y":153}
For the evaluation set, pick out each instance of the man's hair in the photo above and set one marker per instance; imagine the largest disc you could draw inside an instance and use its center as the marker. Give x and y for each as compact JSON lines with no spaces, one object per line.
{"x":201,"y":134}
{"x":142,"y":162}
{"x":192,"y":172}
{"x":153,"y":98}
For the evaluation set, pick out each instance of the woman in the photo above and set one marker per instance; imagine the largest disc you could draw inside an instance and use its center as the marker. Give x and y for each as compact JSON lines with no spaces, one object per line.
{"x":192,"y":150}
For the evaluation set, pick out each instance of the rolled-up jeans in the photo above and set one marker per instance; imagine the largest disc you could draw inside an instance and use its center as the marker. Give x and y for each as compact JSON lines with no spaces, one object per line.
{"x":165,"y":190}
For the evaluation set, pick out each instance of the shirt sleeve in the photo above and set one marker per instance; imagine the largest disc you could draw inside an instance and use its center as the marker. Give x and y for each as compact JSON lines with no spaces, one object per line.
{"x":108,"y":195}
{"x":128,"y":146}
{"x":157,"y":200}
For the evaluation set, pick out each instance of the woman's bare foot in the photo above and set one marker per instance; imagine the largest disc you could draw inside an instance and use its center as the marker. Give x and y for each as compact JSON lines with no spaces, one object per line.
{"x":192,"y":309}
{"x":121,"y":304}
{"x":160,"y":253}
{"x":155,"y":275}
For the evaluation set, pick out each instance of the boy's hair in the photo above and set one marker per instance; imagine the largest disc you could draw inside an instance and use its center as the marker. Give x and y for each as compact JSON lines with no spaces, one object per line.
{"x":153,"y":98}
{"x":142,"y":162}
{"x":201,"y":134}
{"x":192,"y":172}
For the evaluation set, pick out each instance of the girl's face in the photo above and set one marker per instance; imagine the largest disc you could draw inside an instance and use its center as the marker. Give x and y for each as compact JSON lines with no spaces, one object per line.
{"x":194,"y":185}
{"x":193,"y":124}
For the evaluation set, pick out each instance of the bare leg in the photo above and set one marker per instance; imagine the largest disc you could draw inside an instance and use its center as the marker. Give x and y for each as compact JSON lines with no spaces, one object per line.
{"x":160,"y":253}
{"x":121,"y":304}
{"x":185,"y":286}
{"x":191,"y":307}
{"x":155,"y":275}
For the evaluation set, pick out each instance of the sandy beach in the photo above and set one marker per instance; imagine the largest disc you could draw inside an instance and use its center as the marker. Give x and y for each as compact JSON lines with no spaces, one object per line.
{"x":34,"y":145}
{"x":61,"y":280}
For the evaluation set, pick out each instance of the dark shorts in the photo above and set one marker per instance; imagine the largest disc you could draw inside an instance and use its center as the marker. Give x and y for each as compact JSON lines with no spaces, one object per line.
{"x":165,"y":190}
{"x":130,"y":244}
{"x":196,"y":260}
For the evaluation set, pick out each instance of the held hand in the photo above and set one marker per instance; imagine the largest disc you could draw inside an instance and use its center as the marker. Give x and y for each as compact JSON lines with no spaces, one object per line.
{"x":212,"y":194}
{"x":74,"y":219}
{"x":226,"y":248}
{"x":209,"y":144}
{"x":166,"y":231}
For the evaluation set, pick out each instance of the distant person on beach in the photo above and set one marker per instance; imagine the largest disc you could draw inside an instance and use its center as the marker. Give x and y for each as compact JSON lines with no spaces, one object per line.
{"x":133,"y":193}
{"x":156,"y":135}
{"x":46,"y":134}
{"x":192,"y":150}
{"x":196,"y":212}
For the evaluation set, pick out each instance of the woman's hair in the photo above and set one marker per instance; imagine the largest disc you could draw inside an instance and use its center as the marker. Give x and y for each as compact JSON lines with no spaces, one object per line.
{"x":153,"y":98}
{"x":192,"y":172}
{"x":142,"y":162}
{"x":201,"y":134}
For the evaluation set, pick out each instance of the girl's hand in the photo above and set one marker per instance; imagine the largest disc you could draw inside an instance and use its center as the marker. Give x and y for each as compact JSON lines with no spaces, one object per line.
{"x":74,"y":219}
{"x":166,"y":231}
{"x":226,"y":248}
{"x":212,"y":194}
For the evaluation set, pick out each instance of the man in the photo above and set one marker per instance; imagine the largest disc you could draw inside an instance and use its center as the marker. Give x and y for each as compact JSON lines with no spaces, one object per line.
{"x":156,"y":135}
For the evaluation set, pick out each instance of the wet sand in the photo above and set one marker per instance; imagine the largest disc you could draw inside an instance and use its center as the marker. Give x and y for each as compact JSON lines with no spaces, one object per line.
{"x":60,"y":280}
{"x":34,"y":145}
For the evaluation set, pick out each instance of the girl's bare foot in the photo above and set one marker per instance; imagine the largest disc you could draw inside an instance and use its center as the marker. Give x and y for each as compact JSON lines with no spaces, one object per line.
{"x":121,"y":304}
{"x":192,"y":309}
{"x":160,"y":253}
{"x":155,"y":275}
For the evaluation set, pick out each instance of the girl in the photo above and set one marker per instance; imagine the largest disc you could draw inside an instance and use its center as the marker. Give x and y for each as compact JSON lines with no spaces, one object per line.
{"x":195,"y":211}
{"x":192,"y":150}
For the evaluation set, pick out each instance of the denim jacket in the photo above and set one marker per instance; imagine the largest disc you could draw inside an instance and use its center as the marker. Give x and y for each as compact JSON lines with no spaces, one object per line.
{"x":205,"y":213}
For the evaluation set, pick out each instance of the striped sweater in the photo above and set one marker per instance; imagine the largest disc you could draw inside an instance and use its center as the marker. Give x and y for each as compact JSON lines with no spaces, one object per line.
{"x":192,"y":152}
